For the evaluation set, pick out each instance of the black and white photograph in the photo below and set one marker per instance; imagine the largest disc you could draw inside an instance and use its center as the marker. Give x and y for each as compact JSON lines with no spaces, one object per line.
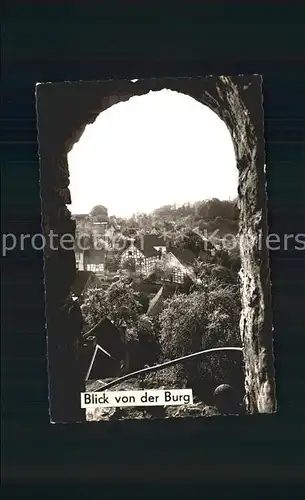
{"x":154,"y":213}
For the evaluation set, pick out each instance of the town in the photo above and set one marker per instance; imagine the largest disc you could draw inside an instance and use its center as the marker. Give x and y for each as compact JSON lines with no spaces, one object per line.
{"x":157,"y":286}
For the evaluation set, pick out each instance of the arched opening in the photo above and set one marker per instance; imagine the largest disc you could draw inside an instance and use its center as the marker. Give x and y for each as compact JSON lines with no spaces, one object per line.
{"x":153,"y":150}
{"x":64,"y":111}
{"x":159,"y":171}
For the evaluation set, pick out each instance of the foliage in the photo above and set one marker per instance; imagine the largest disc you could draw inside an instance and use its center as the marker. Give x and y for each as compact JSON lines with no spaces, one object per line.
{"x":188,"y":240}
{"x":210,"y":276}
{"x":207,"y":315}
{"x":133,"y":266}
{"x":203,"y":319}
{"x":120,"y":303}
{"x":129,"y":265}
{"x":210,"y":209}
{"x":99,"y":213}
{"x":168,"y":378}
{"x":187,"y":216}
{"x":177,"y":223}
{"x":112,"y":263}
{"x":182,"y":321}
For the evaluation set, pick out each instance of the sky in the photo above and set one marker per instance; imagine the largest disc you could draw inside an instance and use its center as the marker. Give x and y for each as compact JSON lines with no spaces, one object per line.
{"x":156,"y":149}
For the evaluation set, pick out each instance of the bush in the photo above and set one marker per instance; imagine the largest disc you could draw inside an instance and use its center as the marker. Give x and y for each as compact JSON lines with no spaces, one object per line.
{"x":119,"y":302}
{"x":198,"y":321}
{"x":168,"y":378}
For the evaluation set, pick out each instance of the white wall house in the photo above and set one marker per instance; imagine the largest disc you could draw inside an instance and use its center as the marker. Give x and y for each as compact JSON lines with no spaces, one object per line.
{"x":143,"y":264}
{"x":179,"y":270}
{"x":146,"y":250}
{"x":90,"y":260}
{"x":79,"y":259}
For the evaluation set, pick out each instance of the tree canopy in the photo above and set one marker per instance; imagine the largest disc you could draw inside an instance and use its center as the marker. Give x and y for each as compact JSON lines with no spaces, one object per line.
{"x":120,"y":303}
{"x":203,"y":319}
{"x":99,"y":213}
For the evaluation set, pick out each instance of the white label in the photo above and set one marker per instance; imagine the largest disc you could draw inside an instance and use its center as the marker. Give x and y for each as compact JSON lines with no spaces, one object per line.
{"x":173,"y":397}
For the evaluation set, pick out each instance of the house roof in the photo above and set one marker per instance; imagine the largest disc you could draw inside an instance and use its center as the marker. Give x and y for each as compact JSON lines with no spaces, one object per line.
{"x":184,"y":256}
{"x":147,"y":242}
{"x":95,"y":256}
{"x":104,"y":351}
{"x":79,"y":216}
{"x":81,"y":281}
{"x":104,"y":324}
{"x":109,"y":337}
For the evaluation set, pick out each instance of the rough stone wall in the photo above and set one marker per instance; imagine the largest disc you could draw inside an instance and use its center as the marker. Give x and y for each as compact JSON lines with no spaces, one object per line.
{"x":245,"y":123}
{"x":64,"y":110}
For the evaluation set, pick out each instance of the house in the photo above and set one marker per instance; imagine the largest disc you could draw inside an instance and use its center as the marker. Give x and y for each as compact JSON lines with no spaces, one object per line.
{"x":99,"y":228}
{"x":82,"y":223}
{"x":85,"y":280}
{"x":80,"y":217}
{"x":94,"y":260}
{"x":79,"y":258}
{"x":111,"y":352}
{"x":82,"y":239}
{"x":145,"y":250}
{"x":176,"y":268}
{"x":180,"y":262}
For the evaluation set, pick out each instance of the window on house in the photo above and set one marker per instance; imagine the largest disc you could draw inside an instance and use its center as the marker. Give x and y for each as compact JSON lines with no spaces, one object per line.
{"x":178,"y":275}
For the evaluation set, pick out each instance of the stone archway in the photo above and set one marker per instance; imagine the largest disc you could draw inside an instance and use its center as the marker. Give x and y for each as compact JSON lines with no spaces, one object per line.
{"x":64,"y":110}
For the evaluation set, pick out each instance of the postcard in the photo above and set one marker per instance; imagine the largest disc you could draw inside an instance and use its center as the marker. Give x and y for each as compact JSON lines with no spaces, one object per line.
{"x":156,"y":255}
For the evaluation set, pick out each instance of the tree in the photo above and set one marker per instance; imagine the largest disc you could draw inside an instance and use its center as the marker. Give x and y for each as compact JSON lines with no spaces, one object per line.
{"x":182,"y":322}
{"x":210,"y":209}
{"x":211,"y":276}
{"x":133,"y":266}
{"x":203,"y":319}
{"x":119,"y":302}
{"x":129,"y":265}
{"x":113,"y":262}
{"x":190,"y":240}
{"x":164,"y":211}
{"x":99,"y":213}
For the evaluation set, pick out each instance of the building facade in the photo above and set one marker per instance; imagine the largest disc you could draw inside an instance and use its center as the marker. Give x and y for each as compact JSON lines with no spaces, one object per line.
{"x":143,"y":252}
